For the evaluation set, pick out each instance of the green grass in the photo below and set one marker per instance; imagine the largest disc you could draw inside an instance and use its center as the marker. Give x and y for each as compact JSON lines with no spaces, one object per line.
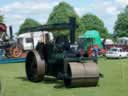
{"x":114,"y":83}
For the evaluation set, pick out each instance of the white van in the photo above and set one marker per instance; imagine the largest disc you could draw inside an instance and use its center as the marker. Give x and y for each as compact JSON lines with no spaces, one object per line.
{"x":28,"y":41}
{"x":108,"y":41}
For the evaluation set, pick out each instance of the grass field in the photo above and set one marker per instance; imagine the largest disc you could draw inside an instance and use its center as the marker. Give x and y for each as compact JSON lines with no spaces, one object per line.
{"x":114,"y":83}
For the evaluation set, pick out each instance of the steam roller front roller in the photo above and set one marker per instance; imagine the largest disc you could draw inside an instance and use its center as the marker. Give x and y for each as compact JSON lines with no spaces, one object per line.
{"x":81,"y":74}
{"x":35,"y":67}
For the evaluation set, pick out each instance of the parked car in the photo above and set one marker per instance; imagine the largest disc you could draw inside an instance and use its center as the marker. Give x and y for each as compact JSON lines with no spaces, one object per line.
{"x":116,"y":52}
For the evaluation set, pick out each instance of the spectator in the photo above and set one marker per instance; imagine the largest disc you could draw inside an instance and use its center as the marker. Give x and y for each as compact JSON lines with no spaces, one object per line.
{"x":95,"y":54}
{"x":103,"y":43}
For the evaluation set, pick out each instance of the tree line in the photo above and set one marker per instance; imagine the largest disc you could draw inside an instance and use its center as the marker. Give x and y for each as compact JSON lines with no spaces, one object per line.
{"x":62,"y":12}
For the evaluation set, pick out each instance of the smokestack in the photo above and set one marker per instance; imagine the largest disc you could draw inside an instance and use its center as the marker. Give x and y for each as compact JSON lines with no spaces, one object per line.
{"x":11,"y":32}
{"x":72,"y":29}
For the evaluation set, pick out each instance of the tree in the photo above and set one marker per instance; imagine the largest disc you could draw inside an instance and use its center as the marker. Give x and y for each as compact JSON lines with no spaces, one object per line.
{"x":92,"y":22}
{"x":28,"y":23}
{"x":61,"y":14}
{"x":121,"y":25}
{"x":1,"y":19}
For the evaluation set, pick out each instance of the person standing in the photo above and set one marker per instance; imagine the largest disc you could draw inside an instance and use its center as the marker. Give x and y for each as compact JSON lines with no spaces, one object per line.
{"x":103,"y":43}
{"x":95,"y":53}
{"x":95,"y":57}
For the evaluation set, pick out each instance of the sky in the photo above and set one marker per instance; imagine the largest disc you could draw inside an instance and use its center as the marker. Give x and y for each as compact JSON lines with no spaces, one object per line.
{"x":15,"y":11}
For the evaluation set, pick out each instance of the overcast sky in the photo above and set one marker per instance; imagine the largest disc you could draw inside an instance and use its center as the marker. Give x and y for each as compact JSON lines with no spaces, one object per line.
{"x":15,"y":11}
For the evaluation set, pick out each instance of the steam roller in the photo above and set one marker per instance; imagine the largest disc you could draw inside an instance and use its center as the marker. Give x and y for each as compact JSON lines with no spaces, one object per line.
{"x":64,"y":64}
{"x":63,"y":60}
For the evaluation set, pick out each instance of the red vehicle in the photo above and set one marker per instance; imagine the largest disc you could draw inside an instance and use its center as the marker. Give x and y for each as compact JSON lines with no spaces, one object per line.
{"x":10,"y":47}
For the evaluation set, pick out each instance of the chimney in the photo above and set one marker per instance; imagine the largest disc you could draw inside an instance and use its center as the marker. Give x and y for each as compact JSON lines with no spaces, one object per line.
{"x":11,"y":32}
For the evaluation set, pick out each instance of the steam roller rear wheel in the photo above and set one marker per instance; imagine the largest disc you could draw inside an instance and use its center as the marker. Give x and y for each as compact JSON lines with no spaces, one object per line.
{"x":35,"y":67}
{"x":80,"y":74}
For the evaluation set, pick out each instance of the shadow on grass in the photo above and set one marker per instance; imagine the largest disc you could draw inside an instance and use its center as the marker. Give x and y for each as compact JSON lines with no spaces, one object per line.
{"x":122,"y":58}
{"x":52,"y":80}
{"x":49,"y":80}
{"x":59,"y":84}
{"x":46,"y":80}
{"x":22,"y":78}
